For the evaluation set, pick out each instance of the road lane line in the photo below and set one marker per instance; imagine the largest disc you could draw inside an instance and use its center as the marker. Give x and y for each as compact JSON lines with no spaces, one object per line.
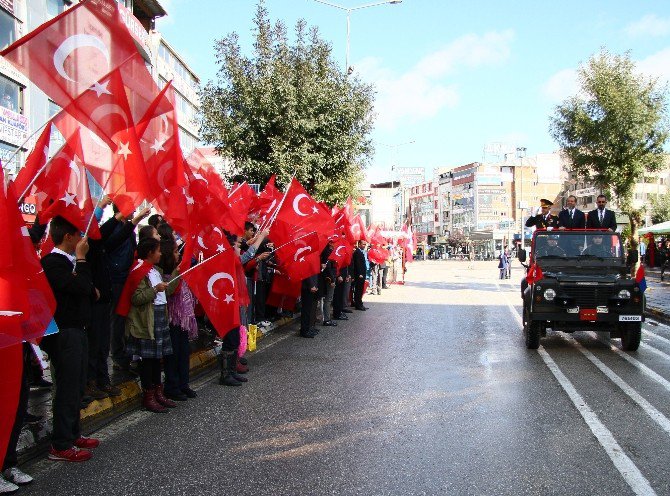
{"x":635,"y":363}
{"x":653,"y":349}
{"x":648,"y":408}
{"x":626,"y":467}
{"x":656,"y":336}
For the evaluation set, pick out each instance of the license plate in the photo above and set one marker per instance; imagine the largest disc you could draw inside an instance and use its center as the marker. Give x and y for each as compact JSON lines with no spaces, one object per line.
{"x":630,"y":318}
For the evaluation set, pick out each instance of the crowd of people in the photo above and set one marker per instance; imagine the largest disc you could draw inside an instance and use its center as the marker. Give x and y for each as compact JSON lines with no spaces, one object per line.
{"x":121,"y":296}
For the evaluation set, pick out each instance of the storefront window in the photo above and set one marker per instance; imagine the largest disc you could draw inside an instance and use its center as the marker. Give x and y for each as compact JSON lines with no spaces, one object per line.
{"x":10,"y":94}
{"x":6,"y":152}
{"x":7,"y":29}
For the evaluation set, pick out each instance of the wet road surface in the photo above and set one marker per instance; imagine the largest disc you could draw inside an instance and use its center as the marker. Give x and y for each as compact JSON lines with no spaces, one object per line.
{"x":430,"y":391}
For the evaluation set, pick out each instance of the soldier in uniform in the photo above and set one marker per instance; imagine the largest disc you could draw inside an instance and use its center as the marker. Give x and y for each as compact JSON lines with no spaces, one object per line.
{"x":551,"y":248}
{"x":544,"y":219}
{"x":597,"y":248}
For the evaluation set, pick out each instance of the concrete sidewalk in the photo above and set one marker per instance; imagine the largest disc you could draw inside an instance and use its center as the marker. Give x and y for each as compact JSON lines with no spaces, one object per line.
{"x":34,"y":440}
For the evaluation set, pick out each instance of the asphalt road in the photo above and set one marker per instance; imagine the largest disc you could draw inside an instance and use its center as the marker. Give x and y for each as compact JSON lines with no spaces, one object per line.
{"x":431,"y":391}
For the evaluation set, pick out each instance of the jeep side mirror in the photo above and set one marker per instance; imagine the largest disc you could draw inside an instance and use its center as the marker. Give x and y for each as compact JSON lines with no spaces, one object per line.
{"x":631,"y":258}
{"x":521,"y":255}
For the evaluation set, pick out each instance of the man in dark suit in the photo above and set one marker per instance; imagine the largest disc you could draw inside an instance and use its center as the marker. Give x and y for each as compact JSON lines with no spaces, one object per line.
{"x":360,"y":272}
{"x":601,"y":218}
{"x":308,"y":299}
{"x":571,"y":217}
{"x":544,"y":219}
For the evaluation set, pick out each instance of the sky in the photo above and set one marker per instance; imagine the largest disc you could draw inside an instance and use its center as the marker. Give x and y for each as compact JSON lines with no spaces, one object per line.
{"x":452,"y":77}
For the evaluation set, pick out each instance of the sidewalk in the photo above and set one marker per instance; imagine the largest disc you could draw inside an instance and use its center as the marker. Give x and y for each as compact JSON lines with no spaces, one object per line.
{"x":34,"y":439}
{"x":658,"y":294}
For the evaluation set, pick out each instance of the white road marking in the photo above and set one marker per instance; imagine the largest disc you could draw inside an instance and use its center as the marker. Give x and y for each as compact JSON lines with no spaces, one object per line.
{"x":635,"y":363}
{"x":648,"y":408}
{"x":656,"y":336}
{"x":626,"y":467}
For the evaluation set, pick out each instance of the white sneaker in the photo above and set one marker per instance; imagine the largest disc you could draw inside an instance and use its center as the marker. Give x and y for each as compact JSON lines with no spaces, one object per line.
{"x":265,"y":323}
{"x":16,"y":476}
{"x":7,"y":487}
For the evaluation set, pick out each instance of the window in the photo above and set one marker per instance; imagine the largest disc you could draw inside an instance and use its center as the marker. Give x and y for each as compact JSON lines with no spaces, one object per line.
{"x":6,"y":152}
{"x":126,"y":3}
{"x":7,"y":29}
{"x":10,"y":94}
{"x":55,"y":7}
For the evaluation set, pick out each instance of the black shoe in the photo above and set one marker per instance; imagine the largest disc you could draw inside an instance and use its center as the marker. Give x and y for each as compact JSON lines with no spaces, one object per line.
{"x":330,"y":323}
{"x":30,"y":419}
{"x":189,"y":392}
{"x":240,"y":378}
{"x":41,"y":383}
{"x":86,"y":399}
{"x":385,"y":287}
{"x":243,"y":361}
{"x":362,"y":308}
{"x":342,"y":317}
{"x":228,"y":380}
{"x":175,"y":395}
{"x":346,"y":310}
{"x":307,"y":335}
{"x":314,"y":331}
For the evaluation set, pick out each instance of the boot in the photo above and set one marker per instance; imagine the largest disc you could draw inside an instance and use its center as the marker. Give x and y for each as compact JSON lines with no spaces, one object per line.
{"x":160,"y":397}
{"x":240,"y":368}
{"x":149,"y":402}
{"x":226,"y":378}
{"x":233,"y":368}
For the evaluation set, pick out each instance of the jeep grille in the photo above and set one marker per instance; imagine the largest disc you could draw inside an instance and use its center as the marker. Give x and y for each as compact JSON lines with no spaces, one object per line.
{"x":589,"y":296}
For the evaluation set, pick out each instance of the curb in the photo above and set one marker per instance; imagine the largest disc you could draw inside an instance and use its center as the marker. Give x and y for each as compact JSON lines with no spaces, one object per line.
{"x":657,"y":314}
{"x":33,"y":440}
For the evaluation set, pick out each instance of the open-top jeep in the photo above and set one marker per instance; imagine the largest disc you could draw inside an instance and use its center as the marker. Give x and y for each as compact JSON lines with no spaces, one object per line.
{"x":580,"y":280}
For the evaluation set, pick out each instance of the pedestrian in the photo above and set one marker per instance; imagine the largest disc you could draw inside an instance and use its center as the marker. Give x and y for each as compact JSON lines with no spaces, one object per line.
{"x":327,"y":278}
{"x":503,"y":264}
{"x":359,"y":274}
{"x":120,"y":260}
{"x":13,"y":477}
{"x":144,"y":302}
{"x":70,"y":278}
{"x":384,"y":267}
{"x":183,"y":327}
{"x":308,"y":301}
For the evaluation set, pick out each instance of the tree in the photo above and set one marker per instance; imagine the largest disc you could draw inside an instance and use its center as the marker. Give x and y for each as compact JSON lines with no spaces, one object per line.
{"x":660,"y":208}
{"x":614,"y":131}
{"x":288,"y":109}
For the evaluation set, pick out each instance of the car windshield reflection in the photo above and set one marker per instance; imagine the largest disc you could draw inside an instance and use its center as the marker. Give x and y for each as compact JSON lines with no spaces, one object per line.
{"x":573,"y":245}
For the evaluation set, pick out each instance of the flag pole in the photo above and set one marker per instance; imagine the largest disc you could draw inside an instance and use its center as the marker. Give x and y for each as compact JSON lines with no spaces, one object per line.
{"x":196,"y":266}
{"x":39,"y":172}
{"x":274,"y":215}
{"x":296,"y":239}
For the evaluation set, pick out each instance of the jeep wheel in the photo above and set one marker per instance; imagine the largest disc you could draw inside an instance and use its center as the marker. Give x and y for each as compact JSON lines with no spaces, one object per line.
{"x":533,"y":333}
{"x":631,"y":335}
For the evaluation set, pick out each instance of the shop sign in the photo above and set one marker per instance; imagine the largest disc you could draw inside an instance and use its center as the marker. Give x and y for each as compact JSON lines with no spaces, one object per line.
{"x":13,"y":127}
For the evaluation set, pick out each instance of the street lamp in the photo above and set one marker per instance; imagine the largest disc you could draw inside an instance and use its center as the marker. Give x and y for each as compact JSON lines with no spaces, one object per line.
{"x":349,"y":10}
{"x":521,"y":153}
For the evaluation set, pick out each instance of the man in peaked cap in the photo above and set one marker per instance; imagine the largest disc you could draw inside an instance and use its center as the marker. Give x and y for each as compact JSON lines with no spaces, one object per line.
{"x":543,"y":219}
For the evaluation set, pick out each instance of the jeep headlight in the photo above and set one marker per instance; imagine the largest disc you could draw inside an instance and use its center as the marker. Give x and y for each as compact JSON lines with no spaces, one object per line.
{"x":549,"y":294}
{"x":624,"y":294}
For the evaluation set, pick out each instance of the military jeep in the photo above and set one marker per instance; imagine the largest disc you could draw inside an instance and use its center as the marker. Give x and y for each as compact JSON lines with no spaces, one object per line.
{"x":579,"y":280}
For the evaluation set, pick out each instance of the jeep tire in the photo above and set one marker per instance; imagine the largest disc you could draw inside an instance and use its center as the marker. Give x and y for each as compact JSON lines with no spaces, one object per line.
{"x":631,"y":334}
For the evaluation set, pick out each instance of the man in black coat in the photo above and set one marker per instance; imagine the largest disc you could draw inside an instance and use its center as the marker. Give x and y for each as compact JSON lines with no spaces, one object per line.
{"x":543,"y":219}
{"x":359,"y":274}
{"x":571,"y":217}
{"x":308,"y":301}
{"x":339,"y":294}
{"x":601,"y":218}
{"x":70,"y":278}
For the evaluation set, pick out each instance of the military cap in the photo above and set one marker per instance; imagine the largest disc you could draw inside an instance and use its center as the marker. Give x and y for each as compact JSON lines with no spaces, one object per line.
{"x":546,"y":203}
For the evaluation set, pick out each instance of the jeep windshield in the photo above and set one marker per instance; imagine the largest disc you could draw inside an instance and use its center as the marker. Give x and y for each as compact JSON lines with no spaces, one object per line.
{"x":580,"y":245}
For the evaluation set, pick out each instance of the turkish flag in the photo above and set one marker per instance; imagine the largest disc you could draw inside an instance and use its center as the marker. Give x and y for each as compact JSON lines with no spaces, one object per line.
{"x":23,"y":285}
{"x":378,"y":255}
{"x":11,"y":369}
{"x":139,"y":271}
{"x":284,"y":292}
{"x":209,"y":241}
{"x":267,"y":201}
{"x":214,"y":283}
{"x":68,"y":54}
{"x":299,"y":209}
{"x":35,"y":163}
{"x":73,"y":199}
{"x":240,"y":200}
{"x":298,"y":251}
{"x":342,"y":252}
{"x":358,"y":230}
{"x":534,"y":274}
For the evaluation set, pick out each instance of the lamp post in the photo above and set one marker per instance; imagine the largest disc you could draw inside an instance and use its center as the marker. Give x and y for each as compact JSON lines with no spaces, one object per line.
{"x":349,"y":10}
{"x":521,"y":153}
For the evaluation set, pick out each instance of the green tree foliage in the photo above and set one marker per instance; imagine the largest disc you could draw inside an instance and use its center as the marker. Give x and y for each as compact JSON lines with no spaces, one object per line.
{"x":287,"y":109}
{"x":614,"y":131}
{"x":660,"y":209}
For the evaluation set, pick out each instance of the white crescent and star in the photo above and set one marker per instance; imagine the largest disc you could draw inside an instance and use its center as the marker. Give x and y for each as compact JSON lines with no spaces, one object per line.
{"x":124,"y":149}
{"x":157,"y":146}
{"x":201,"y":243}
{"x":140,"y":262}
{"x":75,"y":168}
{"x":299,"y":251}
{"x":100,"y":89}
{"x":71,"y":44}
{"x":215,"y":277}
{"x":107,"y":109}
{"x":296,"y":205}
{"x":160,"y":174}
{"x":68,"y":199}
{"x":337,"y":250}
